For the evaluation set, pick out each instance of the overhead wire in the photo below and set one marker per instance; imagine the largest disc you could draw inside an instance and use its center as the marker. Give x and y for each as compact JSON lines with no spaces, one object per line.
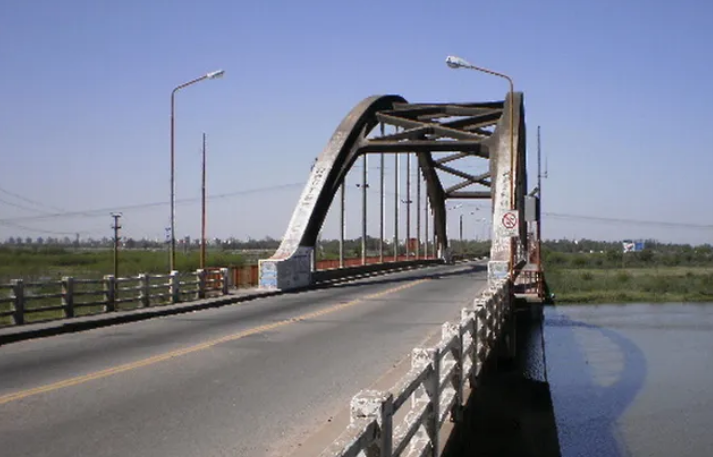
{"x":103,"y":211}
{"x":29,"y":200}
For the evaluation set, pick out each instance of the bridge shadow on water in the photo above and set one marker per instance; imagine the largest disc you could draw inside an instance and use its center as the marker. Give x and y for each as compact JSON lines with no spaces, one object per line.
{"x":564,"y":403}
{"x":596,"y":374}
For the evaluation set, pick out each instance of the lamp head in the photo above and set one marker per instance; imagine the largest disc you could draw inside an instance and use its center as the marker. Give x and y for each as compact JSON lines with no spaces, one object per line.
{"x":215,"y":74}
{"x":456,"y":62}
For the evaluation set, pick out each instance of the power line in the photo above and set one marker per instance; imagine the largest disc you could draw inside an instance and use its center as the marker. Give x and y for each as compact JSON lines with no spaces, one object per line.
{"x":615,"y":220}
{"x":29,"y":200}
{"x":22,"y":207}
{"x":43,"y":231}
{"x":103,"y":211}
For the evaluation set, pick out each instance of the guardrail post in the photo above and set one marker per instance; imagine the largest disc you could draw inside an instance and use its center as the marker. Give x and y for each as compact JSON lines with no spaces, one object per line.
{"x":18,"y":293}
{"x":174,"y":286}
{"x":68,"y":296}
{"x":448,"y":331}
{"x":110,"y":293}
{"x":144,"y":290}
{"x":428,"y":392}
{"x":225,"y":275}
{"x":374,"y":405}
{"x":470,"y":360}
{"x":481,"y":334}
{"x":201,"y":275}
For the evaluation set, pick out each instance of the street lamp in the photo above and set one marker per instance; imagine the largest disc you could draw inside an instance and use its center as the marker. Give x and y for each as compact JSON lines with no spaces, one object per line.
{"x":211,"y":75}
{"x":456,"y":63}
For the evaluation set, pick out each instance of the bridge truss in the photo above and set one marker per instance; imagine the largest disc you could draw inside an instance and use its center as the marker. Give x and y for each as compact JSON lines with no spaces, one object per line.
{"x":441,"y":135}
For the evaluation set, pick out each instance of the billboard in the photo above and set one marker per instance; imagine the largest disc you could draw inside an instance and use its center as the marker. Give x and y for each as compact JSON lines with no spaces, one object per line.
{"x":632,"y":246}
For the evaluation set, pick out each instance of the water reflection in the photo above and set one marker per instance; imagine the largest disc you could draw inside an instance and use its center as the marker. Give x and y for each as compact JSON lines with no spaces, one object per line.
{"x":595,"y":373}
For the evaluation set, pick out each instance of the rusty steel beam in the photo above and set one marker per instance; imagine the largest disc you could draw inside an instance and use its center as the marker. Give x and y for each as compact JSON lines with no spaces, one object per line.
{"x":410,"y":134}
{"x":450,"y":158}
{"x":481,"y":179}
{"x":469,"y":195}
{"x":420,"y":146}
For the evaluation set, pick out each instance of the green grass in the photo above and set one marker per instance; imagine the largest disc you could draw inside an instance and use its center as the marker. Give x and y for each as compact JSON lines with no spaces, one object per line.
{"x":50,"y":264}
{"x":53,"y":263}
{"x":649,"y":285}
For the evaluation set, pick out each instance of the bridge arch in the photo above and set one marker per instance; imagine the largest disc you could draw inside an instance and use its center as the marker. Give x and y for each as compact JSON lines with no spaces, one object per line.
{"x":458,"y":130}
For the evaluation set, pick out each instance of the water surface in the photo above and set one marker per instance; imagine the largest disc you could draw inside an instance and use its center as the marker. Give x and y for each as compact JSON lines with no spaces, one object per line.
{"x":631,"y":380}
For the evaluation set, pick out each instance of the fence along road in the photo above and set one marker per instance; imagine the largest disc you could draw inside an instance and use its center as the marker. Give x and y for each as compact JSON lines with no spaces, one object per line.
{"x":252,"y":379}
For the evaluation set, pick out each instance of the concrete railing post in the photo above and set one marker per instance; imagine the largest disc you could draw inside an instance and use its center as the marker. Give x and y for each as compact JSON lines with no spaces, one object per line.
{"x":225,"y":277}
{"x":144,"y":290}
{"x":373,"y":405}
{"x":201,"y":278}
{"x":110,"y":293}
{"x":68,"y":296}
{"x":481,"y":334}
{"x":18,"y":292}
{"x":448,"y":331}
{"x":174,"y":284}
{"x":470,"y":340}
{"x":428,"y":392}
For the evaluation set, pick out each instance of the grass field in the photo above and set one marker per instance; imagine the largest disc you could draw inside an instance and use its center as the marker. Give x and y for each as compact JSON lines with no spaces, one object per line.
{"x":53,"y":263}
{"x":647,"y":285}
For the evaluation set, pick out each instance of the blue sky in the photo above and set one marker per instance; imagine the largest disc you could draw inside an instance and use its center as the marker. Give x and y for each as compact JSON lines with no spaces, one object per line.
{"x":621,"y":90}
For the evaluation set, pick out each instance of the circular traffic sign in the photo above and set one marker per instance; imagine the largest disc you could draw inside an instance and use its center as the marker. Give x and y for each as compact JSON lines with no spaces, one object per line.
{"x":509,"y":220}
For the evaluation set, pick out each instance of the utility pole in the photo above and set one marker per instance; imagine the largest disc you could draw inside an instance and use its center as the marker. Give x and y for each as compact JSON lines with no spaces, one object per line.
{"x":342,"y":222}
{"x":382,"y":215}
{"x":425,"y":223}
{"x":116,"y":228}
{"x":364,"y":185}
{"x":408,"y":205}
{"x":203,"y":220}
{"x":418,"y":209}
{"x":397,"y":164}
{"x":460,"y":230}
{"x":540,"y":280}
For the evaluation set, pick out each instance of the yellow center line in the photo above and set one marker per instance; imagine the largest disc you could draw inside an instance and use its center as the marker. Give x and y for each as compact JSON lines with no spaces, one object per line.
{"x":198,"y":347}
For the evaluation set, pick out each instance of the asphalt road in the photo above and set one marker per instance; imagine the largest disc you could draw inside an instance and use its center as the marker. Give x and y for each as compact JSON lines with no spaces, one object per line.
{"x":245,"y":380}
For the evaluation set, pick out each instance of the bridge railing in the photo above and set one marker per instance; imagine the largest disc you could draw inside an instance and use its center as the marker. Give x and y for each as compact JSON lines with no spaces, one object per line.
{"x":29,"y":302}
{"x":435,"y":384}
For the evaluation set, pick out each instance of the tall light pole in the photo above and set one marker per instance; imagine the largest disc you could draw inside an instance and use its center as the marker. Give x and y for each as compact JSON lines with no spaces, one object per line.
{"x":203,"y":218}
{"x":211,"y":75}
{"x":457,"y":62}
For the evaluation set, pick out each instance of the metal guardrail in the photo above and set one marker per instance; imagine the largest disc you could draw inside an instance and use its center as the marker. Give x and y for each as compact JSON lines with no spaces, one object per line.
{"x":435,"y":384}
{"x":70,"y":297}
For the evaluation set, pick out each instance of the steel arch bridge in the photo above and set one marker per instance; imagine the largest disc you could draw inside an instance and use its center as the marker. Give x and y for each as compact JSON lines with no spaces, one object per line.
{"x":440,"y":135}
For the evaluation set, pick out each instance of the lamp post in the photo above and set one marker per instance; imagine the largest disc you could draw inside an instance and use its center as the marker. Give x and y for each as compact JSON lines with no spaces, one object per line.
{"x":457,"y":62}
{"x":211,"y":75}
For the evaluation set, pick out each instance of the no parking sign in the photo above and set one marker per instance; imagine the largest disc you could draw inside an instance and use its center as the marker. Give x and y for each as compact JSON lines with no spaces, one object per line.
{"x":510,"y":223}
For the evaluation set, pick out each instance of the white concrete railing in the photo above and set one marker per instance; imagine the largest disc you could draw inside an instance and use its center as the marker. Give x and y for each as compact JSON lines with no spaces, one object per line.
{"x":70,"y":297}
{"x":435,"y":385}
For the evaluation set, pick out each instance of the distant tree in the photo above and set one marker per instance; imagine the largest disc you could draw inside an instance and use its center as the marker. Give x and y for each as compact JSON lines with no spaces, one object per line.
{"x":646,"y":255}
{"x":40,"y":240}
{"x":28,"y":240}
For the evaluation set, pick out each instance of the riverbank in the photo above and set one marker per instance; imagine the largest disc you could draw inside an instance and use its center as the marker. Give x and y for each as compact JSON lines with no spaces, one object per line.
{"x":629,"y":285}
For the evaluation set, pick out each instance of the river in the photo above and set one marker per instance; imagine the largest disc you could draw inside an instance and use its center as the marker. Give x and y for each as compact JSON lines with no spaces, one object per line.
{"x":631,"y":380}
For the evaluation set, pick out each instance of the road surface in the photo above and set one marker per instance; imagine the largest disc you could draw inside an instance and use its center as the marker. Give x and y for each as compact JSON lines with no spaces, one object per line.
{"x":246,"y":380}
